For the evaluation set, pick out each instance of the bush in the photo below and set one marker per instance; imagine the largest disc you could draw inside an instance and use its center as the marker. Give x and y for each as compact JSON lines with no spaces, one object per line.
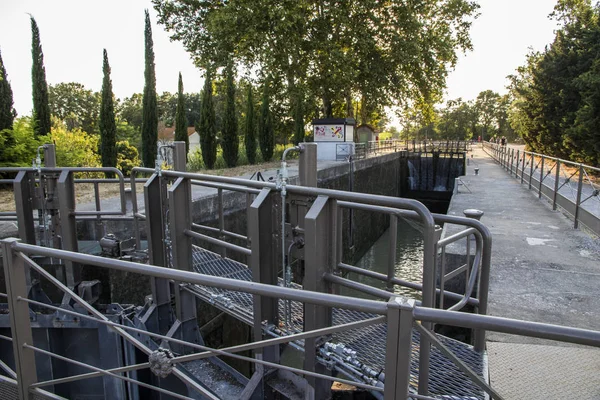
{"x":127,"y":157}
{"x":74,"y":148}
{"x":18,"y":145}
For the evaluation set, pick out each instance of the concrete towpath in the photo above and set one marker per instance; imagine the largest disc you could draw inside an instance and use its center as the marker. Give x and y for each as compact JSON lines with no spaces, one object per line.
{"x":542,"y":270}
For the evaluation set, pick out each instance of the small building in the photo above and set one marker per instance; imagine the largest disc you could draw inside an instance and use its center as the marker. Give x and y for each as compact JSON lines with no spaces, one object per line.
{"x":334,"y":138}
{"x":167,"y":134}
{"x":366,"y":133}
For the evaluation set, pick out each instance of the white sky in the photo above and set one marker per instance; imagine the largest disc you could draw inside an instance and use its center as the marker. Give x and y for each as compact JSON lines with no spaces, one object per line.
{"x":74,"y":32}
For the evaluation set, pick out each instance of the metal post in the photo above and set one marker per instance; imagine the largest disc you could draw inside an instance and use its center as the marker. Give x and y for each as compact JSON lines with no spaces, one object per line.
{"x":531,"y":171}
{"x":180,"y":221}
{"x":392,"y":252}
{"x":179,"y":156}
{"x":308,"y":164}
{"x":22,"y":187}
{"x":49,"y":155}
{"x":263,"y":265}
{"x":398,"y":348}
{"x":14,"y":273}
{"x":523,"y":168}
{"x":541,"y":178}
{"x":161,"y":291}
{"x":578,"y":201}
{"x":512,"y":160}
{"x":518,"y":162}
{"x":318,"y":237}
{"x":68,"y":226}
{"x":556,"y":182}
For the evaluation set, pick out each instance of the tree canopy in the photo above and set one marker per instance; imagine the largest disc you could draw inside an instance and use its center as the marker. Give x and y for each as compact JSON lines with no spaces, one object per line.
{"x":41,"y":110}
{"x":384,"y":52}
{"x":108,"y":127}
{"x":7,"y":112}
{"x":149,"y":110}
{"x":75,"y":105}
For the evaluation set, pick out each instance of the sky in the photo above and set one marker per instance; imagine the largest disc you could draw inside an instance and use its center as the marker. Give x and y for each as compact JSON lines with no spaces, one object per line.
{"x":74,"y":33}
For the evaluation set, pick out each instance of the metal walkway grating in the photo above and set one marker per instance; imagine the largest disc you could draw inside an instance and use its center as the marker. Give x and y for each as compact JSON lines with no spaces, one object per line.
{"x":445,"y":380}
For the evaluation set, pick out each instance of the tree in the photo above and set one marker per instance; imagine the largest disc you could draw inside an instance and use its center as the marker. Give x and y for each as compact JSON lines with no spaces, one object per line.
{"x":180,"y":118}
{"x":206,"y":126}
{"x":149,"y":109}
{"x":7,"y":112}
{"x":127,"y":157}
{"x":19,"y":144}
{"x":250,"y":129}
{"x":298,"y":121}
{"x":392,"y":53}
{"x":265,"y":126}
{"x":41,"y":110}
{"x":75,"y":105}
{"x":486,"y":105}
{"x":131,"y":110}
{"x":108,"y":127}
{"x":230,"y":143}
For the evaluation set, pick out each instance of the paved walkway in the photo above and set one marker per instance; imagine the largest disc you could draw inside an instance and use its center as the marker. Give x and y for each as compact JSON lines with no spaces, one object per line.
{"x":542,"y":270}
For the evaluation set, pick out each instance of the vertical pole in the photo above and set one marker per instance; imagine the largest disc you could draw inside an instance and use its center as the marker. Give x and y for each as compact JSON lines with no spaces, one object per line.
{"x":99,"y":226}
{"x":541,"y":178}
{"x":263,"y":265}
{"x":22,"y":187}
{"x":14,"y":273}
{"x":556,"y":182}
{"x":318,"y":239}
{"x":398,"y":348}
{"x":392,"y":252}
{"x":68,"y":225}
{"x":308,"y":164}
{"x":179,"y":156}
{"x":512,"y":160}
{"x":180,"y":221}
{"x":523,"y":168}
{"x":578,"y":201}
{"x":50,"y":155}
{"x":518,"y":162}
{"x":531,"y":170}
{"x":222,"y":250}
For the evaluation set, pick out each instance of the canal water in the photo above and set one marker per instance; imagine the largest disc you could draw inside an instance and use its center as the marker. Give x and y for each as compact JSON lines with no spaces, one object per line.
{"x":408,"y":266}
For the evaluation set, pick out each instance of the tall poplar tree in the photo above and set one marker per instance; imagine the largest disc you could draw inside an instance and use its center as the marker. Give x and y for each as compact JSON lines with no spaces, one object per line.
{"x":108,"y":127}
{"x":180,"y":118}
{"x":250,"y":131}
{"x":265,"y":126}
{"x":7,"y":112}
{"x":41,"y":110}
{"x":149,"y":103}
{"x":207,"y":124}
{"x":230,"y":142}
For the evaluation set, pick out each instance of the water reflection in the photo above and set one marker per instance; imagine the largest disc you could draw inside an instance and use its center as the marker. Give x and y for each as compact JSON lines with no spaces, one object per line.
{"x":409,"y":261}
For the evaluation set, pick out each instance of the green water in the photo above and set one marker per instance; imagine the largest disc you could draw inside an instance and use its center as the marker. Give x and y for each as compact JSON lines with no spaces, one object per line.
{"x":408,"y":266}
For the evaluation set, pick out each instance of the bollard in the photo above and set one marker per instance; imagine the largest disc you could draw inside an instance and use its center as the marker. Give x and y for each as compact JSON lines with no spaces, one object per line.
{"x":476,"y":171}
{"x":473,"y":213}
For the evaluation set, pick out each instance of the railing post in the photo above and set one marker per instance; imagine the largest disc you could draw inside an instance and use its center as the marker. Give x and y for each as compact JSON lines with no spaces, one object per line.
{"x":391,"y":252}
{"x":398,"y":348}
{"x":578,"y":201}
{"x":180,"y":221}
{"x":319,"y":236}
{"x":531,"y":170}
{"x":523,"y":168}
{"x":541,"y":177}
{"x":308,"y":164}
{"x":22,"y":188}
{"x":518,"y":162}
{"x":68,"y":226}
{"x":179,"y":156}
{"x":49,"y":155}
{"x":512,"y":160}
{"x":556,"y":182}
{"x":14,"y":273}
{"x":263,"y":265}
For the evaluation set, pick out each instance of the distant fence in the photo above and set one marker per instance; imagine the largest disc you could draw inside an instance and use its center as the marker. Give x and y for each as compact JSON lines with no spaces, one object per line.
{"x":574,"y":187}
{"x":367,"y":149}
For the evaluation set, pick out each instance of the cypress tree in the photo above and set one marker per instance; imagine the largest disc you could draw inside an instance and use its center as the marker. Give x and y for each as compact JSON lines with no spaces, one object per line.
{"x":180,"y":118}
{"x":108,"y":127}
{"x":298,"y":121}
{"x":7,"y":112}
{"x":265,"y":126}
{"x":207,"y":124}
{"x":41,"y":110}
{"x":250,"y":133}
{"x":149,"y":103}
{"x":230,"y":142}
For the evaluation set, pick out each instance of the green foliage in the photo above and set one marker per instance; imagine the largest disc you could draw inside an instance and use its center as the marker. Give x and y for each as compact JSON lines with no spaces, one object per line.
{"x":196,"y":163}
{"x":180,"y":119}
{"x":129,"y":133}
{"x":230,"y":141}
{"x":149,"y":109}
{"x":298,"y":121}
{"x":74,"y":148}
{"x":127,"y":157}
{"x":18,"y":145}
{"x":75,"y":105}
{"x":41,"y":110}
{"x":265,"y":126}
{"x":7,"y":112}
{"x":130,"y":110}
{"x":392,"y":53}
{"x":250,"y":129}
{"x":206,"y":126}
{"x":108,"y":128}
{"x":557,"y":101}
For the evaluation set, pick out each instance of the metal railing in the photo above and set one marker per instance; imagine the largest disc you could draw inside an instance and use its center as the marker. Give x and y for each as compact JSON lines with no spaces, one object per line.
{"x":400,"y":315}
{"x":571,"y":186}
